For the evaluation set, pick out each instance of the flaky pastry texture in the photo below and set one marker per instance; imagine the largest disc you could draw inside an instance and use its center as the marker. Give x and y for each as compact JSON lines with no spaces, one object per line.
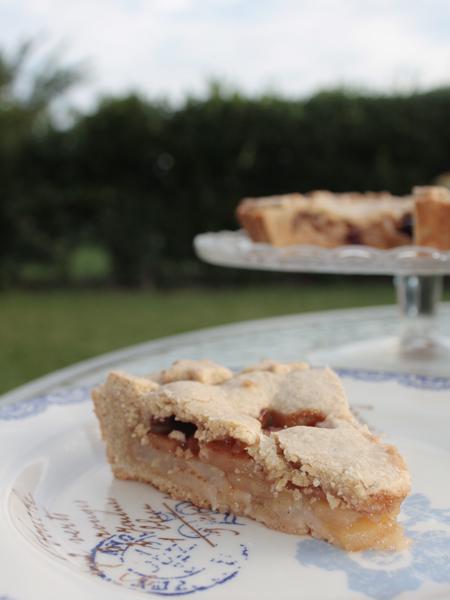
{"x":320,"y":445}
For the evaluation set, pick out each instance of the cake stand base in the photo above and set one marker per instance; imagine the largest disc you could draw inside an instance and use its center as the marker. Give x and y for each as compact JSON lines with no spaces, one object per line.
{"x":418,"y":349}
{"x":429,"y":356}
{"x":418,"y":271}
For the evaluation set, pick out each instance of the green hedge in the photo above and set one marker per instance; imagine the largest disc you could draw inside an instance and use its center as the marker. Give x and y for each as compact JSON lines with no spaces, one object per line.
{"x":139,"y":178}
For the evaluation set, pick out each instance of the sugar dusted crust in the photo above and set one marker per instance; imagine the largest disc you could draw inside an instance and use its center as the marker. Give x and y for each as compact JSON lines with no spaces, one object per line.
{"x":325,"y":219}
{"x":276,"y":442}
{"x":204,"y":371}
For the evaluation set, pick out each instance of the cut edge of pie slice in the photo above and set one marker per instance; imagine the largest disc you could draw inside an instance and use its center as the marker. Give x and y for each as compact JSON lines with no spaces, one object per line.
{"x":276,"y":442}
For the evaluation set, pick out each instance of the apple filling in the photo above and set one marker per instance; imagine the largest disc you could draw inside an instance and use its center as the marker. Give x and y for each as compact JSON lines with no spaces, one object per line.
{"x":273,"y":420}
{"x":222,"y":475}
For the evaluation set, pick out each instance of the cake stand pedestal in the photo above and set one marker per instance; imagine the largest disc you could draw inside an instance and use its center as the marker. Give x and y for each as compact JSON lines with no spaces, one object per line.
{"x":415,"y":347}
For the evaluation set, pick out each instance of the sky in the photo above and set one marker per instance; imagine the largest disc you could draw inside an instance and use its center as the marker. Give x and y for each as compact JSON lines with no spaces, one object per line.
{"x":171,"y":48}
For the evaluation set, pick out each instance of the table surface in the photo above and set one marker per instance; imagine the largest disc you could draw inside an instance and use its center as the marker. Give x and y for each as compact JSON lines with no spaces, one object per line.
{"x":293,"y":337}
{"x":57,"y":460}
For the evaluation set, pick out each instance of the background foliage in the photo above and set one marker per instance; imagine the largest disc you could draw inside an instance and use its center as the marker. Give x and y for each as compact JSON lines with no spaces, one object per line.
{"x":127,"y":186}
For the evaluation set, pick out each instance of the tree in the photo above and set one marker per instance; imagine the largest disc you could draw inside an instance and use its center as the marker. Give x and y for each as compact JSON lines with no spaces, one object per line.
{"x":26,"y":102}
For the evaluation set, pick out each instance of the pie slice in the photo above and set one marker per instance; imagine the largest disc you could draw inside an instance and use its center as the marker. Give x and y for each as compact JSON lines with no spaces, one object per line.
{"x":276,"y":442}
{"x":432,"y":217}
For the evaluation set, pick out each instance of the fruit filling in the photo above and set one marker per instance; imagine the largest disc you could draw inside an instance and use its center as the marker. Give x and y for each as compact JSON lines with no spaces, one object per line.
{"x":342,"y":525}
{"x":273,"y":420}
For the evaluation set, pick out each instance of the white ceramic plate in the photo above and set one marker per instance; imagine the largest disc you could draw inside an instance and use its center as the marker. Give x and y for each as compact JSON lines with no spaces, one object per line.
{"x":68,"y":529}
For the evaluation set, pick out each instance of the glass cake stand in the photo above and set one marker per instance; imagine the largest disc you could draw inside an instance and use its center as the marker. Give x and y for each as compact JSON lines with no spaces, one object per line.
{"x":417,"y":347}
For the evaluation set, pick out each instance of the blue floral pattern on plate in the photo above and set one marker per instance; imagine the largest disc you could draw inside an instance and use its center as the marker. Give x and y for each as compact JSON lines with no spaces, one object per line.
{"x":421,"y":382}
{"x":385,"y":575}
{"x":35,"y":406}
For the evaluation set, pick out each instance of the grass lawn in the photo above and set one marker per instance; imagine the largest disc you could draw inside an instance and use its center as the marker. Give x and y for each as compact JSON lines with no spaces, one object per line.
{"x":44,"y":331}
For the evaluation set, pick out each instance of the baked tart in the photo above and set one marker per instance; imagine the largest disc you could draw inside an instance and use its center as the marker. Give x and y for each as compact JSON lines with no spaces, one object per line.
{"x":276,"y":442}
{"x":326,"y":219}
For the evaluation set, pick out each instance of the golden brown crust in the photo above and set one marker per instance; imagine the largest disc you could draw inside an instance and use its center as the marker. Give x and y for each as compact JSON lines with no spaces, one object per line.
{"x":432,"y":217}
